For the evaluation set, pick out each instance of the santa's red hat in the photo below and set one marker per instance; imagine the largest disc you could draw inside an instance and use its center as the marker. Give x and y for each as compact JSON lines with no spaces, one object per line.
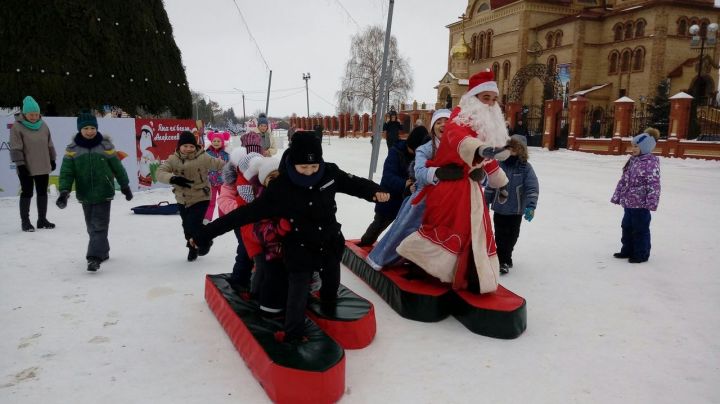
{"x":483,"y":81}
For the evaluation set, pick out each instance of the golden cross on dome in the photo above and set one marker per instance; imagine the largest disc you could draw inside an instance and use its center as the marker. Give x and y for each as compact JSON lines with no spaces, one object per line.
{"x":462,"y":18}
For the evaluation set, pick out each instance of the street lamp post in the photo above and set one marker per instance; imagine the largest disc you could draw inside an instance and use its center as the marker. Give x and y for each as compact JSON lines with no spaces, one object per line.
{"x":702,"y":40}
{"x":306,"y":77}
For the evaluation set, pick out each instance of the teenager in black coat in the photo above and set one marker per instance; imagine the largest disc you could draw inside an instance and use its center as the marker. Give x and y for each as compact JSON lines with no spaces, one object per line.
{"x":304,"y":194}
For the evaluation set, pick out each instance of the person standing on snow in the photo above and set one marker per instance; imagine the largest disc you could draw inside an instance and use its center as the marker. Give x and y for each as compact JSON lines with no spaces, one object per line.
{"x":455,"y":243}
{"x":33,"y":152}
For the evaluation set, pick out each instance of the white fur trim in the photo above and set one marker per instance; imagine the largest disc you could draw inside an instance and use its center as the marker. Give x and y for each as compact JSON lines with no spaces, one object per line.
{"x":486,"y":86}
{"x":267,"y":165}
{"x":432,"y":258}
{"x":488,"y":267}
{"x":237,"y":154}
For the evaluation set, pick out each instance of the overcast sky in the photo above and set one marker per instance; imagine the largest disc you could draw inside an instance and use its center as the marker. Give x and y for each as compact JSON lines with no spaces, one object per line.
{"x":297,"y":37}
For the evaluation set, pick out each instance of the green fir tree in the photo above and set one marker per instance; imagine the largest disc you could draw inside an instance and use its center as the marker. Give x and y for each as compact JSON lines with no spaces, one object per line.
{"x":76,"y":54}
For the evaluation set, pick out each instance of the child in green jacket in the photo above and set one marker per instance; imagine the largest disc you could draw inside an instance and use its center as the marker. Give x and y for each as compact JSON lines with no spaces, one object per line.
{"x":93,"y":165}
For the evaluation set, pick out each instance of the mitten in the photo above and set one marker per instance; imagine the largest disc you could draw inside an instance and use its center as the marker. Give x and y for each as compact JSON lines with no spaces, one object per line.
{"x":489,"y":152}
{"x":449,"y":172}
{"x":127,"y":192}
{"x":529,"y":214}
{"x":53,"y":165}
{"x":283,"y":227}
{"x":62,"y":199}
{"x":181,"y":181}
{"x":502,"y":195}
{"x":22,"y":170}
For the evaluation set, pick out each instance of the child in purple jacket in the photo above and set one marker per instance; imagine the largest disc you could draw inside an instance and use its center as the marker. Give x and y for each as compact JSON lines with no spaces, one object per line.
{"x":638,"y":192}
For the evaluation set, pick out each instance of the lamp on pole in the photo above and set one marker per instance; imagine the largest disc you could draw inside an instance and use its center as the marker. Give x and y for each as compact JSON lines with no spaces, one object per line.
{"x":306,"y":77}
{"x":701,"y":40}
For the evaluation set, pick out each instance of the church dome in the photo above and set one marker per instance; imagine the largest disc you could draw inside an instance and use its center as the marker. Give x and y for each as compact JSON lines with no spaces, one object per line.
{"x":461,"y":50}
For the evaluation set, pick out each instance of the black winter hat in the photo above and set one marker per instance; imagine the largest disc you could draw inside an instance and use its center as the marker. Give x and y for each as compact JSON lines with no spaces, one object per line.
{"x":305,"y":148}
{"x":418,"y":136}
{"x":186,"y":137}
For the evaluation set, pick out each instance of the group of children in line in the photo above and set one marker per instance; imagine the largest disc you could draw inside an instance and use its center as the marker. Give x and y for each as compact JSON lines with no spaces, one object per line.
{"x":283,"y":211}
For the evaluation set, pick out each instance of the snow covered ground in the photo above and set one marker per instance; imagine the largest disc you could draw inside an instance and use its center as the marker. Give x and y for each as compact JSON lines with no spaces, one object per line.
{"x":600,"y":330}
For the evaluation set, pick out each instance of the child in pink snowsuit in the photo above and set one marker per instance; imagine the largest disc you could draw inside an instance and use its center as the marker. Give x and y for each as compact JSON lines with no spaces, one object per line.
{"x":217,"y":150}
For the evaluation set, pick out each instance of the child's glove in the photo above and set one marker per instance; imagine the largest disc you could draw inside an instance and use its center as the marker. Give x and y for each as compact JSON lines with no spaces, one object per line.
{"x":127,"y":192}
{"x":529,"y":214}
{"x":449,"y":172}
{"x":53,"y":165}
{"x":502,"y":196}
{"x":62,"y":199}
{"x":181,"y":181}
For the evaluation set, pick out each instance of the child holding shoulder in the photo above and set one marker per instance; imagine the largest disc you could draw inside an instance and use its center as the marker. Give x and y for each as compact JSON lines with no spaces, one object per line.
{"x":519,"y":201}
{"x":187,"y":170}
{"x":303,"y":194}
{"x":93,"y":165}
{"x":638,"y":192}
{"x":217,"y":150}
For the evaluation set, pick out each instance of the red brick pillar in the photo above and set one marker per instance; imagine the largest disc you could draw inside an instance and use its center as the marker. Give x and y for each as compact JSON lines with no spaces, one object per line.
{"x":552,"y":123}
{"x":341,"y":125}
{"x":346,"y":122}
{"x":512,"y":113}
{"x":680,"y":105}
{"x":365,"y":123}
{"x":356,"y":125}
{"x":578,"y":109}
{"x":623,"y":117}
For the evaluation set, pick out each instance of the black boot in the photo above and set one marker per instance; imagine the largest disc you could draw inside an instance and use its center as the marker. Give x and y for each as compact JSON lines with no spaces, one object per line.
{"x":25,"y":214}
{"x":192,"y":254}
{"x":93,"y":264}
{"x":42,"y":222}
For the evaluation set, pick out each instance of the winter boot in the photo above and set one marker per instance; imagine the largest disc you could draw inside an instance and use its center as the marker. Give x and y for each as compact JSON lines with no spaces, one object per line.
{"x":25,"y":214}
{"x":634,"y":260}
{"x":42,"y":222}
{"x":93,"y":264}
{"x":621,"y":255}
{"x":504,"y":268}
{"x":192,"y":254}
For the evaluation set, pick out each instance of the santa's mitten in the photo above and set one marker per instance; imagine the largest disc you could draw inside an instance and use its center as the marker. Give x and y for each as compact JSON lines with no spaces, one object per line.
{"x":502,"y":195}
{"x":283,"y":227}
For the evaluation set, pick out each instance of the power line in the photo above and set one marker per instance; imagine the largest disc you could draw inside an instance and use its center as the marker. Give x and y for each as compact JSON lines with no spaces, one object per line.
{"x":348,"y":14}
{"x":326,"y":101}
{"x":242,"y":17}
{"x":279,"y":90}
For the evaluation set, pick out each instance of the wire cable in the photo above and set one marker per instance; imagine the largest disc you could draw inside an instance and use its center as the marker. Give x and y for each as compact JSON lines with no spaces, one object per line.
{"x":242,"y":17}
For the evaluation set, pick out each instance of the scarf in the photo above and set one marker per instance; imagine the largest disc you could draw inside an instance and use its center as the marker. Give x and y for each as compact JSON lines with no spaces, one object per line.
{"x":30,"y":125}
{"x":88,"y":143}
{"x":304,"y":180}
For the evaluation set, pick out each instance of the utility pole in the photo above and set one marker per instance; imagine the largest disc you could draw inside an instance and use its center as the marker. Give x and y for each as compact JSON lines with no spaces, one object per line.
{"x":390,"y":78}
{"x":380,"y":112}
{"x":267,"y":102}
{"x":243,"y":98}
{"x":306,"y":77}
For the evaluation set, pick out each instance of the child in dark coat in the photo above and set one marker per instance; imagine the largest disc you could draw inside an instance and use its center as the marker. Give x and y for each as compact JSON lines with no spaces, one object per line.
{"x":303,"y":194}
{"x":638,"y":192}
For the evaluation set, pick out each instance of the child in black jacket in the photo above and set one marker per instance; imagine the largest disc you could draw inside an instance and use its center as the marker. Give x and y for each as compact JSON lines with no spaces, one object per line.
{"x":303,"y":194}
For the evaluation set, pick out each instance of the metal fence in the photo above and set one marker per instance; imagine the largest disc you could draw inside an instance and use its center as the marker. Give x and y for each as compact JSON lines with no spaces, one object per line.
{"x":709,"y":122}
{"x":598,"y":122}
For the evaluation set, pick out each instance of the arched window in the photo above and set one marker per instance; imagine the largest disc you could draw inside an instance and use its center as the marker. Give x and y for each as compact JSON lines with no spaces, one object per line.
{"x":640,"y":29}
{"x":480,"y":46}
{"x":618,"y":30}
{"x":488,"y":48}
{"x":638,"y":59}
{"x":613,"y":63}
{"x":473,"y":45}
{"x":506,"y":70}
{"x":552,"y":64}
{"x":628,"y":30}
{"x":558,"y":38}
{"x":625,"y":61}
{"x":682,"y":27}
{"x":496,"y":69}
{"x":550,"y":37}
{"x":483,"y":7}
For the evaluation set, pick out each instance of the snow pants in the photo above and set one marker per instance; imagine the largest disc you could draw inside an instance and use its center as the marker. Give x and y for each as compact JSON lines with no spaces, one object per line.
{"x":636,"y":233}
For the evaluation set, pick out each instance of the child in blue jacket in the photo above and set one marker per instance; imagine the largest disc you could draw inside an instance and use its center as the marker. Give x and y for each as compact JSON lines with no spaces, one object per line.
{"x":521,"y":200}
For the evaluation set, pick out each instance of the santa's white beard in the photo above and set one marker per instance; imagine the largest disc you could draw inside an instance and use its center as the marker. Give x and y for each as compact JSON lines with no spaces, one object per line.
{"x":488,"y":122}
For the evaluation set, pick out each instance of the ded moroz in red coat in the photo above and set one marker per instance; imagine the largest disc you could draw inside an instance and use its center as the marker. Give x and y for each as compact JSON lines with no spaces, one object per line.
{"x":456,"y":223}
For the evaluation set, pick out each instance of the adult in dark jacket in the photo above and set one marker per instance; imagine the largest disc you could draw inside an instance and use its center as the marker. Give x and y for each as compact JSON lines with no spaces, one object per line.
{"x":33,"y":152}
{"x":396,"y":180}
{"x":304,"y":194}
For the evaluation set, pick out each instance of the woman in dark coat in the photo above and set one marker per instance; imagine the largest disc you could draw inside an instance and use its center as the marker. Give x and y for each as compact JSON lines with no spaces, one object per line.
{"x":304,"y":194}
